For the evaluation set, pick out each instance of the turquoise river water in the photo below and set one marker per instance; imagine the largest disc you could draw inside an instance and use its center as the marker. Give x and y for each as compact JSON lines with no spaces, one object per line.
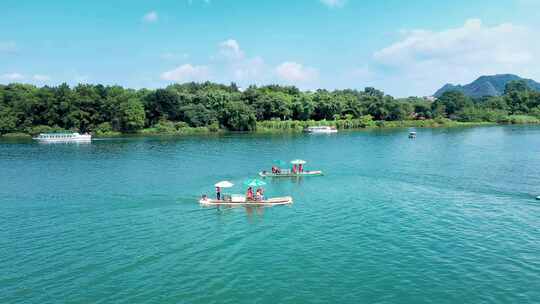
{"x":449,"y":217}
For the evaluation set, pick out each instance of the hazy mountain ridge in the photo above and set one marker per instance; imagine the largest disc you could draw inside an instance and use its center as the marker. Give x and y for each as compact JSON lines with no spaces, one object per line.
{"x":492,"y":85}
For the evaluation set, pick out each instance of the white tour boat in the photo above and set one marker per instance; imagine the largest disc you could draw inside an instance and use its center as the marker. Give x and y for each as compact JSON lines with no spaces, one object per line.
{"x":63,"y":137}
{"x":321,"y":129}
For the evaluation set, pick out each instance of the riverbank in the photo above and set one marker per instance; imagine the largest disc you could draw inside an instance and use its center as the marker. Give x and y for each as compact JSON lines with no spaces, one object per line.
{"x":277,"y":126}
{"x":357,"y":124}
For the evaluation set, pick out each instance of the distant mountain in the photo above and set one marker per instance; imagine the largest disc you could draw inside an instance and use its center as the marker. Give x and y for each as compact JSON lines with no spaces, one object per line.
{"x":486,"y":86}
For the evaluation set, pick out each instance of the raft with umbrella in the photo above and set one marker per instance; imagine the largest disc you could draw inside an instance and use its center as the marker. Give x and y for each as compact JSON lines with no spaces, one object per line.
{"x":290,"y":173}
{"x":237,"y":200}
{"x":270,"y":202}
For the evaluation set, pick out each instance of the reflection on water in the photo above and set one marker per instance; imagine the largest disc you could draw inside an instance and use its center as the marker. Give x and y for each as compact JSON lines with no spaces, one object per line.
{"x":259,"y":211}
{"x":297,"y":180}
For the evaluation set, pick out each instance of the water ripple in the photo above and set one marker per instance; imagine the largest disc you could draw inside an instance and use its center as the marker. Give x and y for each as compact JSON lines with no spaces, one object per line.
{"x":447,"y":218}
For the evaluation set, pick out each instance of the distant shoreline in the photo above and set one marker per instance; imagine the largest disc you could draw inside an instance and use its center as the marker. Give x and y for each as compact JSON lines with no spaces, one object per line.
{"x":204,"y":108}
{"x":276,"y":127}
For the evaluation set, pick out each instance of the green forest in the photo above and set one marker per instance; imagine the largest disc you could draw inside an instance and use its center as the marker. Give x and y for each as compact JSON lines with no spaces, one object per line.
{"x":211,"y":107}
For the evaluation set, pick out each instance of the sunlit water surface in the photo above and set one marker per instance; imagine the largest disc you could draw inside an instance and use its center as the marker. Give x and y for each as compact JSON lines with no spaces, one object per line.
{"x":449,"y":217}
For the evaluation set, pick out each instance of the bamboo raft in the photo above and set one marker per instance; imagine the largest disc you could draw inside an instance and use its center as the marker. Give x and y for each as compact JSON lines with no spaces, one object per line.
{"x":290,"y":174}
{"x":276,"y":201}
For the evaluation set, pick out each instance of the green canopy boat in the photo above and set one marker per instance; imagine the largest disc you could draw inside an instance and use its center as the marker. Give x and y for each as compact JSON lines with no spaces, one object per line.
{"x":237,"y":200}
{"x":290,"y":174}
{"x":280,"y":172}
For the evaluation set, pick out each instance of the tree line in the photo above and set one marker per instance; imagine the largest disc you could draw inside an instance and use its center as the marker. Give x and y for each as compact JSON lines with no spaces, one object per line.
{"x":98,"y":108}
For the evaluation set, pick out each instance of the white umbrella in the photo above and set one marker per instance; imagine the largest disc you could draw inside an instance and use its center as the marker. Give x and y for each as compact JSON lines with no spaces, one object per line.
{"x":298,"y":162}
{"x":224,"y":184}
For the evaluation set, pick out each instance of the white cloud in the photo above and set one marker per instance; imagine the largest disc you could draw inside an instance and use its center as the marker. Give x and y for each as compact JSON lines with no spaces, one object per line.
{"x":236,"y":66}
{"x":41,"y":78}
{"x":425,"y":60}
{"x":295,"y":72}
{"x":231,"y":64}
{"x":333,"y":3}
{"x":8,"y":47}
{"x":249,"y":70}
{"x":151,"y":17}
{"x":231,"y":49}
{"x":12,"y":76}
{"x":187,"y":72}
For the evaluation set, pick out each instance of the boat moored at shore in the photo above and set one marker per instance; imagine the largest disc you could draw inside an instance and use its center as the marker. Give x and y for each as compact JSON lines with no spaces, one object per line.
{"x":63,"y":137}
{"x":320,"y":130}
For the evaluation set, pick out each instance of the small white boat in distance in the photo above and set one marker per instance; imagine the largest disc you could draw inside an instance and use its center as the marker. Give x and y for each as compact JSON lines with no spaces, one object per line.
{"x":63,"y":137}
{"x":321,"y":130}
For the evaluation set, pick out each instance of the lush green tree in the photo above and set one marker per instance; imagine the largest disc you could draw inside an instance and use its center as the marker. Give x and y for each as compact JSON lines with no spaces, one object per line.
{"x":326,"y":106}
{"x":378,"y":110}
{"x":351,"y":104}
{"x":64,"y":100}
{"x":422,"y":110}
{"x":369,"y":91}
{"x":132,"y":115}
{"x":163,"y":103}
{"x":89,"y":105}
{"x":398,"y":110}
{"x":516,"y":86}
{"x":302,"y":107}
{"x":495,"y":102}
{"x":8,"y":120}
{"x":197,"y":115}
{"x":102,"y":109}
{"x":517,"y":101}
{"x":438,"y":110}
{"x":453,"y":102}
{"x":237,"y":116}
{"x":271,"y":105}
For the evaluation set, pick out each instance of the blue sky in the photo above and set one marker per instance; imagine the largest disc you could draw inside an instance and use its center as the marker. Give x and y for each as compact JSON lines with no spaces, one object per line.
{"x":402,"y":47}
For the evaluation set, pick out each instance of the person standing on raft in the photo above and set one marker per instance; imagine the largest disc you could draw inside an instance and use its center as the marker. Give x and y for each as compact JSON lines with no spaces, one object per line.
{"x":218,"y":193}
